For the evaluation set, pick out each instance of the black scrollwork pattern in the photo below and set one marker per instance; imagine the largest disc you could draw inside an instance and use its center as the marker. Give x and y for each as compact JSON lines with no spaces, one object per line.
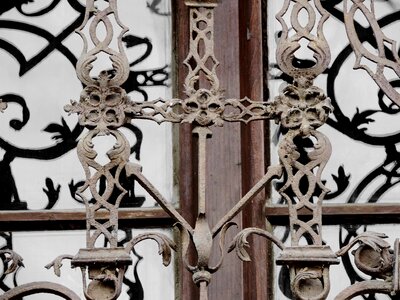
{"x":64,"y":136}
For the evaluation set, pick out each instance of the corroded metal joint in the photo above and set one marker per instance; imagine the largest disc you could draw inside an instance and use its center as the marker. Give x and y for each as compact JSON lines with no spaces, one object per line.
{"x":101,"y":256}
{"x":309,"y":270}
{"x":105,"y":269}
{"x":201,"y":276}
{"x":378,"y":264}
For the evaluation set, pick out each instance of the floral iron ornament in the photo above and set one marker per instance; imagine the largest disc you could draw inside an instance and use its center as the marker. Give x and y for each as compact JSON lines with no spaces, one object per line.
{"x":101,"y":106}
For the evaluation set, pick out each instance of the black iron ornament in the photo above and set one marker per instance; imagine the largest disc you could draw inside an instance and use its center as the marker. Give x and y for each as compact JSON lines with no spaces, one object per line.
{"x":65,"y":138}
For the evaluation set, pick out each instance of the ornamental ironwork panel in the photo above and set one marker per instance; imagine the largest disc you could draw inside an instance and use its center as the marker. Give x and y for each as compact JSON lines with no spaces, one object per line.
{"x":300,"y":108}
{"x":38,"y":44}
{"x":363,"y":117}
{"x":363,"y":167}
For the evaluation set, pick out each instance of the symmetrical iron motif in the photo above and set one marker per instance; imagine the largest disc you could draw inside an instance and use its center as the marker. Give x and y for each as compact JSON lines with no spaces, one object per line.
{"x":305,"y":109}
{"x":384,"y":176}
{"x":103,"y":109}
{"x":301,"y":108}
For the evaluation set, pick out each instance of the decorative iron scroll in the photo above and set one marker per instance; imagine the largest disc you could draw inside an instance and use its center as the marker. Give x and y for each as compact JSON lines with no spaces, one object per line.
{"x":103,"y":268}
{"x":356,"y":126}
{"x":374,"y":256}
{"x":383,"y":177}
{"x":301,"y":108}
{"x":103,"y":108}
{"x":384,"y":59}
{"x":62,"y":137}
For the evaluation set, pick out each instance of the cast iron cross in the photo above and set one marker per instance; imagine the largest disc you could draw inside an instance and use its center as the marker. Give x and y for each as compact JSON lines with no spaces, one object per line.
{"x":104,"y":107}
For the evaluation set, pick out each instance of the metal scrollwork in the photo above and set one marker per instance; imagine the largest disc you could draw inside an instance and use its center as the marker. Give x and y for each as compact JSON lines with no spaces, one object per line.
{"x":203,"y":107}
{"x":288,"y":45}
{"x":201,"y":60}
{"x":14,"y":258}
{"x":23,"y":18}
{"x":103,"y":108}
{"x":302,"y":108}
{"x":373,"y":257}
{"x":384,"y":58}
{"x":40,"y":288}
{"x":118,"y":57}
{"x":381,"y":60}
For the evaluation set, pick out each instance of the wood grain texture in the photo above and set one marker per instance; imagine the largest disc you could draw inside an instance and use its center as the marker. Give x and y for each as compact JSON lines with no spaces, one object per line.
{"x":186,"y":163}
{"x":74,"y":220}
{"x":252,"y":146}
{"x":224,"y":159}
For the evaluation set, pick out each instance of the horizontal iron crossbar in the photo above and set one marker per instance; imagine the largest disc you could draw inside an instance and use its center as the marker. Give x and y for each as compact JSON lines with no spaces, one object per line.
{"x":75,"y":220}
{"x":338,"y":214}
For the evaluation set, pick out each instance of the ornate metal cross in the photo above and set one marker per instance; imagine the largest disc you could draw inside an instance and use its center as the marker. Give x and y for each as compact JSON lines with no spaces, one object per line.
{"x":301,"y":108}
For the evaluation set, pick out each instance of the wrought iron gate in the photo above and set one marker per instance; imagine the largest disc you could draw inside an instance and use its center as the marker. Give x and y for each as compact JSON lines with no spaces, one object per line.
{"x":300,"y":108}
